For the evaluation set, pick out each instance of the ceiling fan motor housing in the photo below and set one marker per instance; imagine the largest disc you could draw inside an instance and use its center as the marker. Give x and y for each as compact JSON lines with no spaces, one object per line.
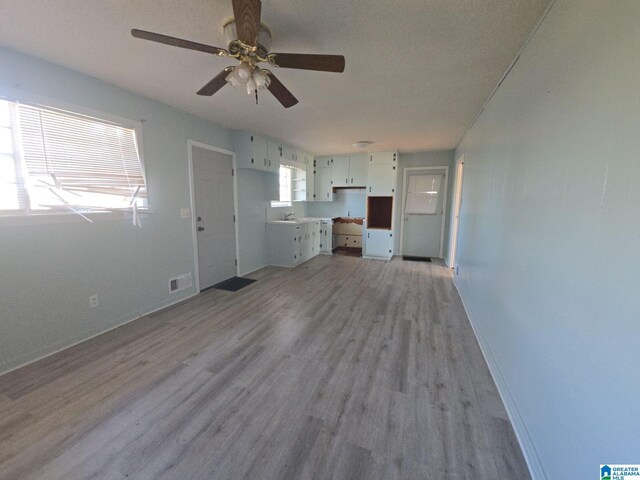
{"x":235,"y":47}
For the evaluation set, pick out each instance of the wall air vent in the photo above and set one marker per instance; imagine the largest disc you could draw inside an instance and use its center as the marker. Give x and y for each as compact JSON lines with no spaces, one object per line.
{"x":180,"y":283}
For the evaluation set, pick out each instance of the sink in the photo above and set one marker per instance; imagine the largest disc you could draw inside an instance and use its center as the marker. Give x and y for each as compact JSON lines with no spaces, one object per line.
{"x":294,"y":221}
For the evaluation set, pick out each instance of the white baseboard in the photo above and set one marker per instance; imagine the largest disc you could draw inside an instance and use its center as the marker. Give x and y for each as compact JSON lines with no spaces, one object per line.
{"x":254,"y":270}
{"x":62,"y":345}
{"x":373,"y":257}
{"x":524,"y":439}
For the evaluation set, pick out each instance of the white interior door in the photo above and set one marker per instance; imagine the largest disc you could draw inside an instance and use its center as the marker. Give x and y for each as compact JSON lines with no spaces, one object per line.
{"x":457,"y":204}
{"x":214,"y":213}
{"x":423,"y":212}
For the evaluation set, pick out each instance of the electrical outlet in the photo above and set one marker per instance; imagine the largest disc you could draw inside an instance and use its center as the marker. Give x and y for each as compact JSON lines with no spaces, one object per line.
{"x":93,"y":301}
{"x":185,"y":213}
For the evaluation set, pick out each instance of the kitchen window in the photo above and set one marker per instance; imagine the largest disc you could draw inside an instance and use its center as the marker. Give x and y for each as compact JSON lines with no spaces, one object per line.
{"x":285,"y":175}
{"x":54,"y":161}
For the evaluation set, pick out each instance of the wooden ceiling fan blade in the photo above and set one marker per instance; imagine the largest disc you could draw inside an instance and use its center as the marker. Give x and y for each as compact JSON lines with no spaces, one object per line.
{"x":178,"y":42}
{"x":247,"y":17}
{"x":278,"y":90}
{"x":303,"y":61}
{"x":216,"y":83}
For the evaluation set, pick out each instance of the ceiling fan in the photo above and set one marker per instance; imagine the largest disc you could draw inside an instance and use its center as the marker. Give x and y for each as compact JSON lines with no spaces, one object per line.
{"x":249,"y":41}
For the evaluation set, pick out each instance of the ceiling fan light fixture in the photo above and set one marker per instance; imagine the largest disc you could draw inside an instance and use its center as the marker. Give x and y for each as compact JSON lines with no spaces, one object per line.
{"x":243,"y":72}
{"x":233,"y":80}
{"x":251,"y":86}
{"x":256,"y":79}
{"x":261,"y":79}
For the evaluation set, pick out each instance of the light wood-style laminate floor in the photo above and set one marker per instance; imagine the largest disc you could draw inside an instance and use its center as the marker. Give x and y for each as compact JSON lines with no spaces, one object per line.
{"x":343,"y":368}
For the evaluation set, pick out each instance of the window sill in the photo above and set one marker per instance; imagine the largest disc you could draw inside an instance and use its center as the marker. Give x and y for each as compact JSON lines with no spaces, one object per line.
{"x":13,"y":220}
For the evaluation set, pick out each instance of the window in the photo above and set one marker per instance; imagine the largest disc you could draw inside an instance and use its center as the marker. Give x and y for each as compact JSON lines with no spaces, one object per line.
{"x":53,"y":161}
{"x":285,"y":188}
{"x":422,"y":194}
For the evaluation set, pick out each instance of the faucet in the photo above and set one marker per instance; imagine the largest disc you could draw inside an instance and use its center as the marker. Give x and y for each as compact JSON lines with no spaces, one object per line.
{"x":285,"y":216}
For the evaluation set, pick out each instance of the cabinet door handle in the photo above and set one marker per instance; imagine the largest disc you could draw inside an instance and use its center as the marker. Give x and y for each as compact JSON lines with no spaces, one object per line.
{"x":265,"y":162}
{"x":269,"y":163}
{"x":369,"y":189}
{"x":352,"y":180}
{"x":346,"y":180}
{"x":368,"y":235}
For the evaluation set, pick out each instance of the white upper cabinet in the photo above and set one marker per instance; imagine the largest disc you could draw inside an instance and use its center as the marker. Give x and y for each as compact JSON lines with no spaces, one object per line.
{"x":323,"y":188}
{"x":383,"y":158}
{"x":261,"y":153}
{"x":289,"y":153}
{"x":349,"y":171}
{"x":251,"y":151}
{"x":273,"y":155}
{"x":340,"y":171}
{"x":381,"y":180}
{"x":309,"y":165}
{"x":358,"y":166}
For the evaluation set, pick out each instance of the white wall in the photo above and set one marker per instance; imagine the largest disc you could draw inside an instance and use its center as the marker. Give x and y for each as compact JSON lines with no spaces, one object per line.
{"x":346,"y":203}
{"x":252,"y":228}
{"x":47,"y":272}
{"x":549,"y":235}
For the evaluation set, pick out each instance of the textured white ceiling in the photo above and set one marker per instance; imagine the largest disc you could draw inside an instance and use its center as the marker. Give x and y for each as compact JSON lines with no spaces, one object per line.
{"x":417,"y":72}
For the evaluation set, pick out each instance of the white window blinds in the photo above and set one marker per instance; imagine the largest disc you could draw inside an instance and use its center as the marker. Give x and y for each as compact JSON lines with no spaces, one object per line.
{"x":79,"y":161}
{"x":423,"y":194}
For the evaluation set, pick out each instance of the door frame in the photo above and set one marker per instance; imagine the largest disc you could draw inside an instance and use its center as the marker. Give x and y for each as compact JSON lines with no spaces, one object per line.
{"x":455,"y":212}
{"x":444,"y":203}
{"x":192,"y":194}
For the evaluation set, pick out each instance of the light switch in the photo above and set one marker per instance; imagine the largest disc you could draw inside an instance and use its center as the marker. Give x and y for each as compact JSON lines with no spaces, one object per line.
{"x":185,"y":213}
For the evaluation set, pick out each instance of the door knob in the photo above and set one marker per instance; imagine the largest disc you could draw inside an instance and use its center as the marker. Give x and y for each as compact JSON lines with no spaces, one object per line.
{"x":199,"y":219}
{"x":201,"y":229}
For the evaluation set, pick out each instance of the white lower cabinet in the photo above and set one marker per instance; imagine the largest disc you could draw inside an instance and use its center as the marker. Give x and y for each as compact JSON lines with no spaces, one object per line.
{"x":292,"y":243}
{"x":379,"y":243}
{"x":315,"y":238}
{"x":326,"y":236}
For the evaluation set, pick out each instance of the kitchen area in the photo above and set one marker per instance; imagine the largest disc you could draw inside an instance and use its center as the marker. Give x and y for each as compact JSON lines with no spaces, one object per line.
{"x":330,"y":204}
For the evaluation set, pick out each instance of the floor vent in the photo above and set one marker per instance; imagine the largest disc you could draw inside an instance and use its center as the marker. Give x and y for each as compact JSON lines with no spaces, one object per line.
{"x":416,"y":259}
{"x":180,"y":283}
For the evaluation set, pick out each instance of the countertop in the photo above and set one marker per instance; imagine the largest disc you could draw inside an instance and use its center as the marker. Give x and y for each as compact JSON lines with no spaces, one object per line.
{"x":297,"y":221}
